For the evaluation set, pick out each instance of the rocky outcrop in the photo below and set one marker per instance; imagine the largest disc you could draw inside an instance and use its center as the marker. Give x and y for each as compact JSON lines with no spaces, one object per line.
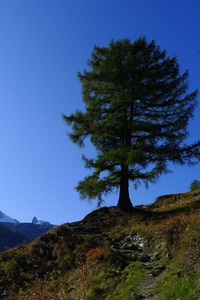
{"x":131,"y":247}
{"x":170,"y":198}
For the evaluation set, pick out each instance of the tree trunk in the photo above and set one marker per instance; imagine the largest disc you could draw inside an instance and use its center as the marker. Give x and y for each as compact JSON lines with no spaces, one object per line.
{"x":124,"y":201}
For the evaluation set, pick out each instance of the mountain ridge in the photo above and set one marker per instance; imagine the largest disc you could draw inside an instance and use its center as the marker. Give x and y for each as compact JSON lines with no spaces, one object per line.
{"x":13,"y":232}
{"x":4,"y":218}
{"x":10,"y":238}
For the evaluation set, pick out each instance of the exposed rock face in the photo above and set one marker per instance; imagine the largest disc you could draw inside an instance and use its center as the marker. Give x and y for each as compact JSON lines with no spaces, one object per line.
{"x":171,"y":198}
{"x":35,"y":220}
{"x":131,"y":248}
{"x":174,"y":198}
{"x":166,"y":200}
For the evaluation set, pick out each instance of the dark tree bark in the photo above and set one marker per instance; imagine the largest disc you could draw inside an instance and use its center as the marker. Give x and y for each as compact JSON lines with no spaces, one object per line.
{"x":124,"y":201}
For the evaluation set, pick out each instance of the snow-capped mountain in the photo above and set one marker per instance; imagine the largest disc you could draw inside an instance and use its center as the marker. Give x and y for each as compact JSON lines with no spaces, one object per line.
{"x":39,"y":222}
{"x":29,"y":231}
{"x":6,"y":219}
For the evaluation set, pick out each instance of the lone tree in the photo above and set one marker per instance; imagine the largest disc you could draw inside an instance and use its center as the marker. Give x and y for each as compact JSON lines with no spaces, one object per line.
{"x":195,"y":185}
{"x":137,"y":115}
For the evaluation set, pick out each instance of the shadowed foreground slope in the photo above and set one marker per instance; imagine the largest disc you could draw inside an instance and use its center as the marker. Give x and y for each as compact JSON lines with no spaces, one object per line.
{"x":151,"y":253}
{"x":10,"y":238}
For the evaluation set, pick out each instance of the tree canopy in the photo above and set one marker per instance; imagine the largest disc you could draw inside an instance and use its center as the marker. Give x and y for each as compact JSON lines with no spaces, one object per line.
{"x":195,"y":185}
{"x":137,"y":112}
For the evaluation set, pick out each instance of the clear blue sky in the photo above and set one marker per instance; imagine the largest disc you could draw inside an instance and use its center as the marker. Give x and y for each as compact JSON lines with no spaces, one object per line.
{"x":43,"y":44}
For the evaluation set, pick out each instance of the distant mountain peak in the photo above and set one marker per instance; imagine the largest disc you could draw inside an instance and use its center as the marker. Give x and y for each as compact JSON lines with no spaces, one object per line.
{"x":6,"y":219}
{"x":36,"y":221}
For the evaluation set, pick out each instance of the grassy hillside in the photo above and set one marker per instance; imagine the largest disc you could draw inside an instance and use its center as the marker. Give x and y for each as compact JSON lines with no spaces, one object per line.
{"x":151,"y":253}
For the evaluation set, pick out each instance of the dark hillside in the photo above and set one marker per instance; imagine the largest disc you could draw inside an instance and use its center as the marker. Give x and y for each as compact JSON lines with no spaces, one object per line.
{"x":11,"y":238}
{"x":32,"y":231}
{"x":150,"y":253}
